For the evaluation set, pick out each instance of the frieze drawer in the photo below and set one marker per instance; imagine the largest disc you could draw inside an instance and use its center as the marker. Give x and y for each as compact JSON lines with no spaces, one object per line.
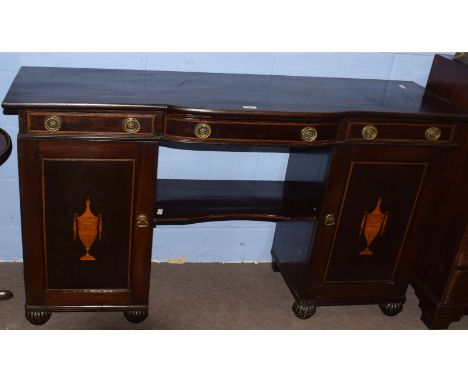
{"x":91,"y":123}
{"x":395,"y":131}
{"x":238,"y":131}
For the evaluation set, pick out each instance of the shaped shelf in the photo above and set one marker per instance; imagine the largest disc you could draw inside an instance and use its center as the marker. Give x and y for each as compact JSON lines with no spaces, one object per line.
{"x":191,"y":201}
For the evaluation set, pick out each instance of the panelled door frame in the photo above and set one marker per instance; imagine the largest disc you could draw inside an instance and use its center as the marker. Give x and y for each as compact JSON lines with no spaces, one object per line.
{"x":31,"y":155}
{"x":433,"y":158}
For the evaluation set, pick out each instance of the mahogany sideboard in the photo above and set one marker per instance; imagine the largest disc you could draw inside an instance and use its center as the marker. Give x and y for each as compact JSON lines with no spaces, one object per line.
{"x":370,"y":164}
{"x":441,"y":275}
{"x":5,"y":151}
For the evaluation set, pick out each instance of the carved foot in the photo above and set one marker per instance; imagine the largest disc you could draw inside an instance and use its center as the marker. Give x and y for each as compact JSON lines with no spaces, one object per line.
{"x":38,"y":318}
{"x":303,"y":310}
{"x":274,"y":267}
{"x":136,"y":316}
{"x":391,"y":309}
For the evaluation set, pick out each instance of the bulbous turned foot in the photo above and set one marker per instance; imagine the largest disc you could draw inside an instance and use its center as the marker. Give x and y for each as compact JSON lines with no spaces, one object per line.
{"x":136,"y":316}
{"x":391,"y":308}
{"x":5,"y":294}
{"x":38,"y":318}
{"x":274,"y":266}
{"x":303,"y":310}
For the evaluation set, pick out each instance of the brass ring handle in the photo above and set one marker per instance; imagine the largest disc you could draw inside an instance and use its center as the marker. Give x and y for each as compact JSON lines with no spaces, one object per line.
{"x":330,"y":219}
{"x":53,"y":123}
{"x":202,"y":130}
{"x":142,"y":221}
{"x":432,"y":133}
{"x":131,"y":125}
{"x":309,"y":134}
{"x":369,"y":132}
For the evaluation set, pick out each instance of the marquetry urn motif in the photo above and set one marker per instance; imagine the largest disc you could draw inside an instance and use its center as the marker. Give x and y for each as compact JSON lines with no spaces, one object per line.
{"x":87,"y":226}
{"x":372,"y":225}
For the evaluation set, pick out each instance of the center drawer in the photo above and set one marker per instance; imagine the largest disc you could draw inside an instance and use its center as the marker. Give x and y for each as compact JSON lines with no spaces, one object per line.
{"x":248,"y":131}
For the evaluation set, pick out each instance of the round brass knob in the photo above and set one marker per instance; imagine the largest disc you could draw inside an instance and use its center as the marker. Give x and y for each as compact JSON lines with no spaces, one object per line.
{"x":369,"y":132}
{"x":309,"y":134}
{"x":142,"y":221}
{"x":202,"y":130}
{"x":330,"y":219}
{"x":53,"y":123}
{"x":432,"y":133}
{"x":131,"y":125}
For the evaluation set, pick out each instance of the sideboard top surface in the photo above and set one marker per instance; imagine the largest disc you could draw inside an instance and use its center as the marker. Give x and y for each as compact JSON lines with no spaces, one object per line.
{"x":47,"y":87}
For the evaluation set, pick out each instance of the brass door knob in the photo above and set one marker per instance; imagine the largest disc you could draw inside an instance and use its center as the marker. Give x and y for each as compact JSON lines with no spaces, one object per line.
{"x":309,"y":134}
{"x":369,"y":132}
{"x":142,"y":221}
{"x":432,"y":133}
{"x":53,"y":123}
{"x":131,"y":125}
{"x":202,"y":130}
{"x":330,"y":219}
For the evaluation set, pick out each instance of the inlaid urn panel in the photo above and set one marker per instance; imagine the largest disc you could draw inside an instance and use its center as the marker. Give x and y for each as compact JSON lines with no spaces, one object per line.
{"x":83,"y":244}
{"x":378,"y":204}
{"x":87,"y":224}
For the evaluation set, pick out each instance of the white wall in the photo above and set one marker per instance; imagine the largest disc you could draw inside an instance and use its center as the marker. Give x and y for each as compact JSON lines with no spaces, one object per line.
{"x":230,"y":241}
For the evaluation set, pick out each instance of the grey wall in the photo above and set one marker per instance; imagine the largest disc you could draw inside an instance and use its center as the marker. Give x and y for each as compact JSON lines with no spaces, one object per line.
{"x":233,"y":241}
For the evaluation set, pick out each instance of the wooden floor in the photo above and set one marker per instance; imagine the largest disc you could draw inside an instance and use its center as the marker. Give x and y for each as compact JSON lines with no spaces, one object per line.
{"x":213,"y":296}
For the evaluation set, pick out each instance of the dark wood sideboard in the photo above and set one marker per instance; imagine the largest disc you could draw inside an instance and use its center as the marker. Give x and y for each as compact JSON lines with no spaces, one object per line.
{"x":441,"y":272}
{"x":370,"y":164}
{"x":5,"y":151}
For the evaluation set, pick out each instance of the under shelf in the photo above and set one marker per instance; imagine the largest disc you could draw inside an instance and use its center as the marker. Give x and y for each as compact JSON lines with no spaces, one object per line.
{"x":191,"y":201}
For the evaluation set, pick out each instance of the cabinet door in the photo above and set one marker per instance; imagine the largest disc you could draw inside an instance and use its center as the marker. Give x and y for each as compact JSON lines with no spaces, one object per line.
{"x":377,"y":201}
{"x":85,"y":242}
